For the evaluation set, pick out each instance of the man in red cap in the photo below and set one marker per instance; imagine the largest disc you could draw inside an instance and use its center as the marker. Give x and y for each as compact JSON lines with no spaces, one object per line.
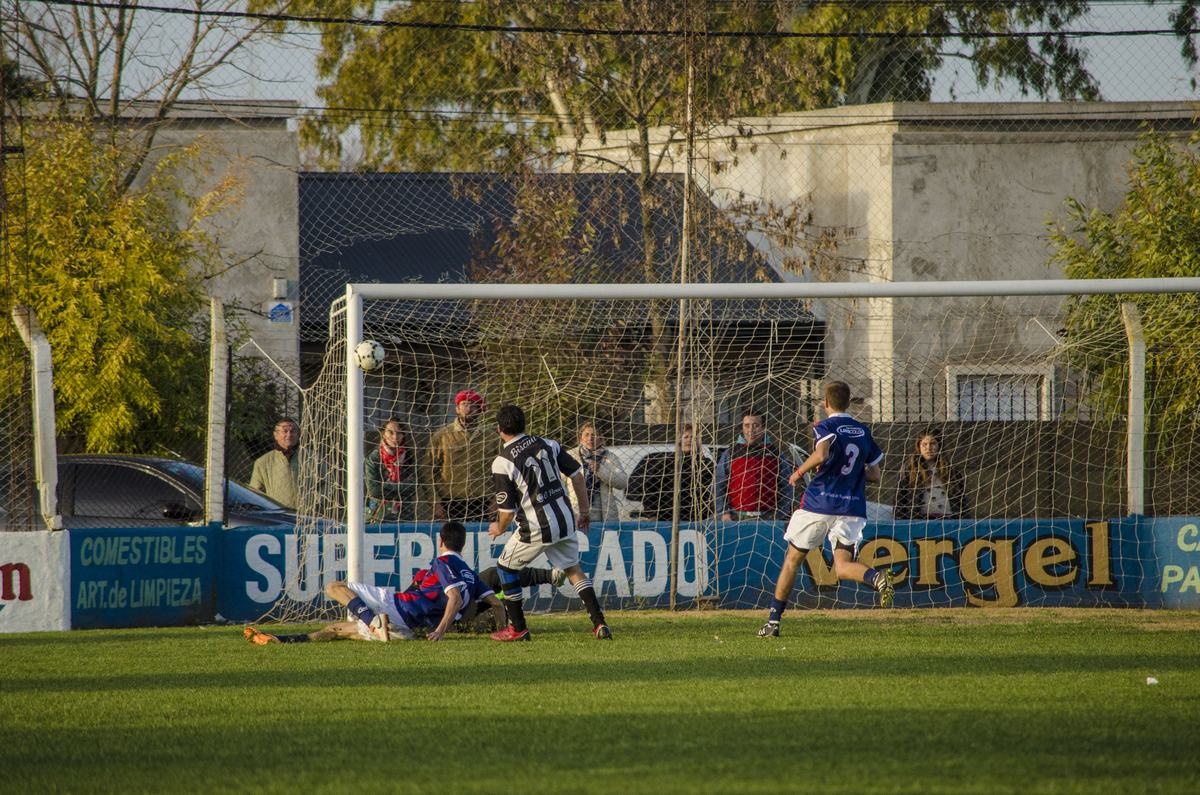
{"x":460,"y":458}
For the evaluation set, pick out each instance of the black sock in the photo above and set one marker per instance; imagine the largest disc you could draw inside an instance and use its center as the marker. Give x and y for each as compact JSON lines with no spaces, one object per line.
{"x":293,"y":638}
{"x":585,"y":591}
{"x":516,"y":614}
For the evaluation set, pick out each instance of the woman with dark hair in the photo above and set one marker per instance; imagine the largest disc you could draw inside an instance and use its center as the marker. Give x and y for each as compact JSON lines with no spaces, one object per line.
{"x":929,"y":487}
{"x":388,"y":476}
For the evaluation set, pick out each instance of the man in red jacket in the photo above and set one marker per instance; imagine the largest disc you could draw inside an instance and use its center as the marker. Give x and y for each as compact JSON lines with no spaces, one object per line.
{"x":752,"y":475}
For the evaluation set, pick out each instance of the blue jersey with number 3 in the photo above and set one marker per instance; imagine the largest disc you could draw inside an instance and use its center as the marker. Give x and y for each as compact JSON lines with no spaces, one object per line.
{"x":839,"y":487}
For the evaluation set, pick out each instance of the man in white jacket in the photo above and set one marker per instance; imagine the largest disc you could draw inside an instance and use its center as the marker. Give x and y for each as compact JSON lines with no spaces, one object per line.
{"x":602,"y":473}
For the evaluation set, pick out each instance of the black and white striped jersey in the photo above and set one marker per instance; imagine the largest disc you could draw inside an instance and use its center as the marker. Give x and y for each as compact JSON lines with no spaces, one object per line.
{"x":531,"y":476}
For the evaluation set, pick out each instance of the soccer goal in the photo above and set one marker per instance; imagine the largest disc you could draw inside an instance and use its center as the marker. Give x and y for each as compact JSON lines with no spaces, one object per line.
{"x":1062,"y":416}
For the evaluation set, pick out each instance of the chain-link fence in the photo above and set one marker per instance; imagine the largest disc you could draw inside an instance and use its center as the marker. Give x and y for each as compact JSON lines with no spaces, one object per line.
{"x":593,"y":142}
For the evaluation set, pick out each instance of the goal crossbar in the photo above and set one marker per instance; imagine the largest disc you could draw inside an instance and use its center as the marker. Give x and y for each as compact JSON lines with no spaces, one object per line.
{"x":782,"y":291}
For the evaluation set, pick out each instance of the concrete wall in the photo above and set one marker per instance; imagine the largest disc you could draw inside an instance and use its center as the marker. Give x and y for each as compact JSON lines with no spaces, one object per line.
{"x":974,"y":188}
{"x":256,"y":146}
{"x":927,"y":192}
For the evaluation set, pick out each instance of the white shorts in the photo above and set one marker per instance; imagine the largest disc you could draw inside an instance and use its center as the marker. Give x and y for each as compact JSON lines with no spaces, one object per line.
{"x":382,"y":600}
{"x":807,"y":530}
{"x":560,"y":554}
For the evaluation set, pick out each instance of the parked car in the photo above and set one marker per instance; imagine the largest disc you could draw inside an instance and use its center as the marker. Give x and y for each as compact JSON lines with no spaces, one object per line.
{"x":629,"y":456}
{"x":148,"y":491}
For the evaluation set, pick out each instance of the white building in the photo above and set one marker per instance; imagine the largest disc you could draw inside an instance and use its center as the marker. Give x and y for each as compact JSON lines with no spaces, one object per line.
{"x":927,"y":192}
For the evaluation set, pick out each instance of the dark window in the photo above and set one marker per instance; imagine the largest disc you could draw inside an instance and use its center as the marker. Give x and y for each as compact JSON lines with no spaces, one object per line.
{"x":118,"y":492}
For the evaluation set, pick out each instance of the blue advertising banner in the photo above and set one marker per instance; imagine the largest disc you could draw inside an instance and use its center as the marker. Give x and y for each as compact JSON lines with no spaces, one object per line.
{"x":1000,"y":563}
{"x":1175,"y":580}
{"x":629,"y":565}
{"x":191,"y":575}
{"x":997,"y":563}
{"x":142,"y":578}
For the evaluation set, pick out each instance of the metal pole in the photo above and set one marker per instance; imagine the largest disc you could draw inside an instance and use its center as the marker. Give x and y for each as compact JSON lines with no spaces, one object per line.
{"x":681,"y":346}
{"x":779,"y":291}
{"x":218,"y":387}
{"x":354,"y":439}
{"x":1135,"y":442}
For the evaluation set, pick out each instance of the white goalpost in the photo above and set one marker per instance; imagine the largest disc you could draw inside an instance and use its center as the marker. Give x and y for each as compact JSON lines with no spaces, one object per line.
{"x":1003,"y":369}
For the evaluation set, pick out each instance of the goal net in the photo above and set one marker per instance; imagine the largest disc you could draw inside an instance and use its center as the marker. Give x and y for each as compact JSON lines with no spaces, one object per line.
{"x":1023,"y":425}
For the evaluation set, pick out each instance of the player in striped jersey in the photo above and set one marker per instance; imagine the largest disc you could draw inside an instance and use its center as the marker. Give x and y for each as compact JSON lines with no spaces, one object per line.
{"x":834,"y":504}
{"x":530,"y":490}
{"x":437,"y":597}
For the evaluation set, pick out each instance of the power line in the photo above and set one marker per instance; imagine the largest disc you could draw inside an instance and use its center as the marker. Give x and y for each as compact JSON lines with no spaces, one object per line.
{"x":109,"y":5}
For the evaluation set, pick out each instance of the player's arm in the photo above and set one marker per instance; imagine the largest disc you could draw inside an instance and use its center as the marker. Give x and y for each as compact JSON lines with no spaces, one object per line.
{"x":817,"y":457}
{"x":568,"y":466}
{"x":504,"y":518}
{"x":497,"y":607}
{"x":873,"y":471}
{"x":454,"y":601}
{"x":506,"y":501}
{"x":584,"y":520}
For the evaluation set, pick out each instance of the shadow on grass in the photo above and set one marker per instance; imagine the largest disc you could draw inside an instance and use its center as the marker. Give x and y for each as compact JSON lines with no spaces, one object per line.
{"x":689,"y":748}
{"x":381,"y":670}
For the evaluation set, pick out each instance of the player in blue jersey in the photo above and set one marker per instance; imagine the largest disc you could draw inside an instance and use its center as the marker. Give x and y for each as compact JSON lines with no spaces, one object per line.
{"x":834,"y":504}
{"x":437,"y":597}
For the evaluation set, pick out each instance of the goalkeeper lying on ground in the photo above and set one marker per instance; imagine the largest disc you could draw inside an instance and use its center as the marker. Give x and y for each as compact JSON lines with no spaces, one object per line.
{"x":438,"y":596}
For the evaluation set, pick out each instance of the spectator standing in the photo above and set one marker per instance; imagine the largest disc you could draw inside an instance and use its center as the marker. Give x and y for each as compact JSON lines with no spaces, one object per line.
{"x":388,"y":479}
{"x":752,"y":475}
{"x":929,"y":487}
{"x":459,"y":463}
{"x":277,"y":471}
{"x":602,"y":474}
{"x":653,"y":482}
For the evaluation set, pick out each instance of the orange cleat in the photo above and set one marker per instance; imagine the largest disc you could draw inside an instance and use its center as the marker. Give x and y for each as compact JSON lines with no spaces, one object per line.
{"x":258,"y":638}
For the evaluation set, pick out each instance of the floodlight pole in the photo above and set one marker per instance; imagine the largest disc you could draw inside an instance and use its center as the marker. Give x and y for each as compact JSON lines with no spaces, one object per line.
{"x":45,"y":450}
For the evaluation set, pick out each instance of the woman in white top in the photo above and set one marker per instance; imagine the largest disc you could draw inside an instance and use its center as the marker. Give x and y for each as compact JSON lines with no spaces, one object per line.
{"x":602,"y":474}
{"x":929,"y":487}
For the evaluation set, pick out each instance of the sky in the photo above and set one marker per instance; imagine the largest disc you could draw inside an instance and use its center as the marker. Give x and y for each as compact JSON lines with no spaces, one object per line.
{"x":1128,"y":68}
{"x":1131,"y":68}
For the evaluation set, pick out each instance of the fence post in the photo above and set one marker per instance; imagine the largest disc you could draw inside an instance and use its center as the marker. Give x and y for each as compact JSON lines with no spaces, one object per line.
{"x":218,"y":386}
{"x":45,"y":450}
{"x":1135,"y":444}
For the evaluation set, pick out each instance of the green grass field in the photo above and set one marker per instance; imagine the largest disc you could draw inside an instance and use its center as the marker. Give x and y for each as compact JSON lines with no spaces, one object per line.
{"x":864,"y":701}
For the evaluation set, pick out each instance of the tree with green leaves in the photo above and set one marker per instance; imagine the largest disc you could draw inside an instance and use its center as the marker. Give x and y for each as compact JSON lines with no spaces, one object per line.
{"x":116,"y":276}
{"x":1152,"y":234}
{"x":471,"y":86}
{"x":108,"y":240}
{"x":111,"y":275}
{"x":125,"y":66}
{"x":496,"y":85}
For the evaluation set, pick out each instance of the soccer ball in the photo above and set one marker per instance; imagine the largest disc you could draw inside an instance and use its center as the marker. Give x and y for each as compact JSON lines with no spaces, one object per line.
{"x":369,"y":355}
